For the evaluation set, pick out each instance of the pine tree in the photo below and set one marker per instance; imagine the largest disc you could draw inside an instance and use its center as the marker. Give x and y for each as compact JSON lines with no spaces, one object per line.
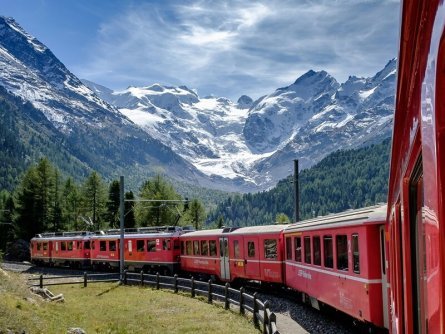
{"x":157,"y":213}
{"x":94,"y":199}
{"x":71,"y":203}
{"x":195,"y":215}
{"x":113,"y":204}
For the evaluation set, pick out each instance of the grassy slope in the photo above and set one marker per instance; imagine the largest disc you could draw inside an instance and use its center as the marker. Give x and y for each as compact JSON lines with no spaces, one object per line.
{"x":109,"y":308}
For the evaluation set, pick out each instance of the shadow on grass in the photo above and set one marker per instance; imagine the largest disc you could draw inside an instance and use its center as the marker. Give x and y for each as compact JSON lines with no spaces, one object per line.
{"x":108,"y":290}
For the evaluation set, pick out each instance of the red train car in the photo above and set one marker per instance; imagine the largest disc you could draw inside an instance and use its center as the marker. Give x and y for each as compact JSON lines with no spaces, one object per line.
{"x":416,"y":197}
{"x":65,"y":249}
{"x":202,"y":252}
{"x":340,"y":260}
{"x":256,"y":253}
{"x":247,"y":253}
{"x":154,"y":249}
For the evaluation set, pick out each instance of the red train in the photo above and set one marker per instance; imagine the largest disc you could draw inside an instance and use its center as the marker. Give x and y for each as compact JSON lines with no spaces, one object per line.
{"x":416,"y":197}
{"x":383,"y":267}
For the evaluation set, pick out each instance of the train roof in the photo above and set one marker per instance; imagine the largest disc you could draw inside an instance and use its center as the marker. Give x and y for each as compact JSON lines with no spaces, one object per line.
{"x":261,"y":229}
{"x":204,"y":233}
{"x":364,"y":216}
{"x":140,"y":232}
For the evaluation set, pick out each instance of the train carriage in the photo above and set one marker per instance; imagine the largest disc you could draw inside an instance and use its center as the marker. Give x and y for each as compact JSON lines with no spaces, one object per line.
{"x":202,"y":252}
{"x":256,"y":253}
{"x":416,"y":197}
{"x":64,"y":249}
{"x":154,"y":249}
{"x":340,"y":260}
{"x":229,"y":254}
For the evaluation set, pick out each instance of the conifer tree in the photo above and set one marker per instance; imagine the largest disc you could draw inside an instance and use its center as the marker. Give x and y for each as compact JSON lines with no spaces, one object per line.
{"x":94,"y":199}
{"x":113,"y":204}
{"x":71,"y":205}
{"x":157,"y":213}
{"x":195,"y":215}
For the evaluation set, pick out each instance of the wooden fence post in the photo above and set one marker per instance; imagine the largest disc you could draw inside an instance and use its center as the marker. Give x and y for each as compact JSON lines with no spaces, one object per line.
{"x":41,"y":281}
{"x":241,"y":300}
{"x":176,"y":283}
{"x":209,"y":299}
{"x":142,"y":278}
{"x":266,"y":320}
{"x":255,"y":309}
{"x":85,"y":279}
{"x":193,"y":287}
{"x":226,"y":296}
{"x":157,"y":281}
{"x":273,"y":318}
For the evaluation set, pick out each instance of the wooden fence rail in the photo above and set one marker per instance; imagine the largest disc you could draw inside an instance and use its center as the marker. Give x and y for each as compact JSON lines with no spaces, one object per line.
{"x":262,"y":316}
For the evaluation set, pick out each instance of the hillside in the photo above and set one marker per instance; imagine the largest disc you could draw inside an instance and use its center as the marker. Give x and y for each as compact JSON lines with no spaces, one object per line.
{"x":343,"y":180}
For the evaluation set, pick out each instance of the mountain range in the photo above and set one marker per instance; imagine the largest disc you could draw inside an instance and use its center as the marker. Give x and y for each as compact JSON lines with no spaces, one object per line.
{"x":208,"y":141}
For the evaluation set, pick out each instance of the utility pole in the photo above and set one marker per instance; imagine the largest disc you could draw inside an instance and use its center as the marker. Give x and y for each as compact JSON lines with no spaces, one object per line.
{"x":296,"y":193}
{"x":122,"y":223}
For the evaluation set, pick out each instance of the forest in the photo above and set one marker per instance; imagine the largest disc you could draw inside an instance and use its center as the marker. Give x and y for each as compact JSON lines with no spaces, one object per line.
{"x":45,"y":201}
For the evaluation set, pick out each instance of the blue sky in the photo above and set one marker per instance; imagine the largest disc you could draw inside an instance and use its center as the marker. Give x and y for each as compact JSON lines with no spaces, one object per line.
{"x":221,"y":47}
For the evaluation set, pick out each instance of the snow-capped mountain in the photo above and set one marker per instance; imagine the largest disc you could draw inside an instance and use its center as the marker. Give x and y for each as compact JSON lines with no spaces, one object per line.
{"x":254,"y":142}
{"x":210,"y":141}
{"x":87,"y":127}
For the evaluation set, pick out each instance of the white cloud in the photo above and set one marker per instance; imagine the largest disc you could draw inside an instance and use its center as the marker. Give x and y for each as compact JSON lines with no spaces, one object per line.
{"x":236,"y":47}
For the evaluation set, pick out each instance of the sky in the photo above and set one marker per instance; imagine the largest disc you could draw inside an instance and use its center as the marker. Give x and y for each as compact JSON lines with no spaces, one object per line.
{"x":222,"y":47}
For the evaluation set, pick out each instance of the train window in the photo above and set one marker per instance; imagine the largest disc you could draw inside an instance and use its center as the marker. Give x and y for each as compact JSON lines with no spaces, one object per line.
{"x":251,"y":249}
{"x":151,"y":245}
{"x":288,"y":248}
{"x":86,"y":245}
{"x":45,"y":246}
{"x":355,"y":254}
{"x":204,"y":247}
{"x":342,"y":252}
{"x":297,"y":242}
{"x":328,"y":252}
{"x":176,"y":244}
{"x":212,"y":247}
{"x":195,"y":247}
{"x":307,"y":250}
{"x":188,"y":248}
{"x":183,"y":247}
{"x":79,"y":245}
{"x":270,"y":248}
{"x":236,"y":248}
{"x":39,"y":246}
{"x":166,"y":244}
{"x":93,"y":245}
{"x":70,"y":245}
{"x":63,"y":246}
{"x":130,"y":246}
{"x":103,"y":246}
{"x":316,"y":250}
{"x":140,"y":245}
{"x":57,"y":246}
{"x":112,"y":245}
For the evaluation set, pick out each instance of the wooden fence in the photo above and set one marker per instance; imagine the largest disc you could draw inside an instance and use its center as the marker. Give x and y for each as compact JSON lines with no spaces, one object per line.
{"x":262,"y":316}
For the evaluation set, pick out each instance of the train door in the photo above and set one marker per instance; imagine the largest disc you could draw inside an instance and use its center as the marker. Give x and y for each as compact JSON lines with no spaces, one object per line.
{"x":224,"y":258}
{"x":418,"y":251}
{"x":252,"y":257}
{"x":383,"y":269}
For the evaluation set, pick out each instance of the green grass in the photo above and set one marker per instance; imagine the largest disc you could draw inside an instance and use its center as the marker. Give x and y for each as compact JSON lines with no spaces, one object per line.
{"x":110,"y":308}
